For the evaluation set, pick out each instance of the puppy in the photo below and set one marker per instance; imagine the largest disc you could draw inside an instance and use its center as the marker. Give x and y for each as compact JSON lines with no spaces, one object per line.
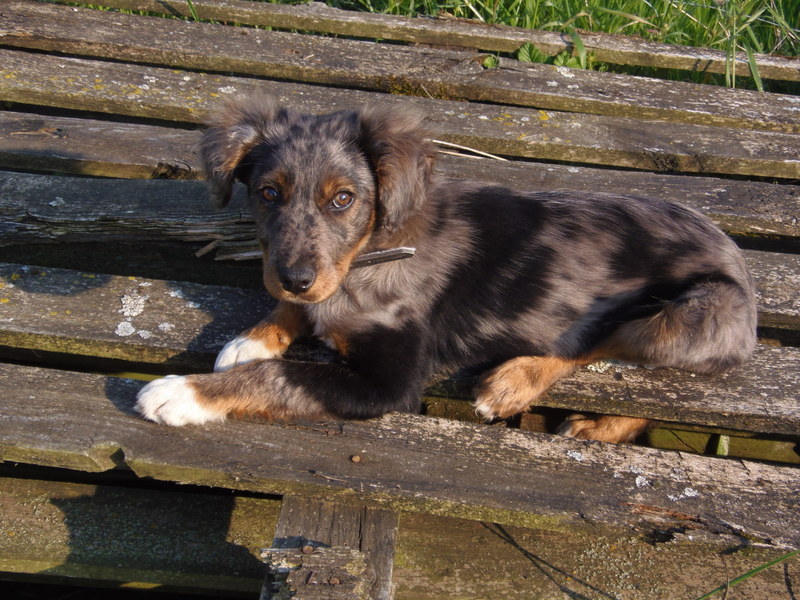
{"x":526,"y":286}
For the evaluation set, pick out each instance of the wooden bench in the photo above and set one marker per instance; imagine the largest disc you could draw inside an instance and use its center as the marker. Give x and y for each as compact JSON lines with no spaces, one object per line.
{"x":112,"y":265}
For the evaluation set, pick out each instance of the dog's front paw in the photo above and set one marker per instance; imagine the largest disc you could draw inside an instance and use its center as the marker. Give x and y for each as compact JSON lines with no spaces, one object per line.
{"x":244,"y":349}
{"x":496,"y":400}
{"x":172,"y":401}
{"x":504,"y":392}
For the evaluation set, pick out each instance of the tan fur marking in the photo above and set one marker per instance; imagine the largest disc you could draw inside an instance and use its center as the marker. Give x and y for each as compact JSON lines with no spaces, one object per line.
{"x":238,"y":392}
{"x":513,"y":386}
{"x":330,"y":186}
{"x":340,"y":342}
{"x":284,"y":324}
{"x":327,"y":281}
{"x":605,"y":428}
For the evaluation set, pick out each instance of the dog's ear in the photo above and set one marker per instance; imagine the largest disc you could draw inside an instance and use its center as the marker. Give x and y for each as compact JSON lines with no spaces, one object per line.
{"x":402,"y":158}
{"x":233,"y":131}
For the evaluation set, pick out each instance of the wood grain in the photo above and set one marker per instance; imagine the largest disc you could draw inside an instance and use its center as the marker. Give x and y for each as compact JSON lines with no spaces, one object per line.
{"x":128,"y":150}
{"x":190,"y":540}
{"x":308,"y":522}
{"x":457,"y":75}
{"x":408,"y":463}
{"x":447,"y":31}
{"x":188,"y":97}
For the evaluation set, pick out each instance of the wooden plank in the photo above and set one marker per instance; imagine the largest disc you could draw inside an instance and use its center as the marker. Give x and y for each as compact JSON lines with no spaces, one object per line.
{"x":183,"y":325}
{"x":745,"y":398}
{"x":491,"y":561}
{"x":86,"y":146}
{"x":306,"y":522}
{"x":777,"y":278}
{"x":138,"y":537}
{"x":88,"y":210}
{"x":133,"y":537}
{"x":386,"y":67}
{"x":444,"y":31}
{"x":328,"y":573}
{"x":408,"y":463}
{"x":27,"y":289}
{"x":179,"y":325}
{"x":140,"y":91}
{"x":91,"y":147}
{"x":40,"y":209}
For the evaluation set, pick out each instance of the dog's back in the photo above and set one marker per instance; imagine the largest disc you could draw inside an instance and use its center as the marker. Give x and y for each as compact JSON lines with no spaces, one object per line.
{"x":557,"y":274}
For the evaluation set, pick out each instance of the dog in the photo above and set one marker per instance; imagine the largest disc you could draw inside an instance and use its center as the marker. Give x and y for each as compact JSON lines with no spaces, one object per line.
{"x":523,"y":286}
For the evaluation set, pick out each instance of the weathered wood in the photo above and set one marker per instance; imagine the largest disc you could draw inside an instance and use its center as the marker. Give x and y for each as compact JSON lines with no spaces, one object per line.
{"x":140,"y":91}
{"x":181,"y":326}
{"x":677,"y":399}
{"x":307,"y":522}
{"x":385,"y":67}
{"x":765,"y":388}
{"x":139,"y":537}
{"x":333,"y":573}
{"x":84,"y":210}
{"x":40,"y":209}
{"x":99,"y":148}
{"x":86,"y":146}
{"x":179,"y":540}
{"x":318,"y":17}
{"x":408,"y":462}
{"x":777,"y":278}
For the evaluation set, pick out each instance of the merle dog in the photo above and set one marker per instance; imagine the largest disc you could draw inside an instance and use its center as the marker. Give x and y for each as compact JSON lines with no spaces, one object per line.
{"x":526,"y":286}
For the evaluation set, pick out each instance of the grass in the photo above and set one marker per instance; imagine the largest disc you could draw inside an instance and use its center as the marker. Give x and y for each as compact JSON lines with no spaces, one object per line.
{"x":723,"y":589}
{"x":767,"y":26}
{"x":749,"y":26}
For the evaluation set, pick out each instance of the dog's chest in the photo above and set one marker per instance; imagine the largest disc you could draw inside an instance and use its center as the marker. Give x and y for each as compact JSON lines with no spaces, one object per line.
{"x":361,"y":305}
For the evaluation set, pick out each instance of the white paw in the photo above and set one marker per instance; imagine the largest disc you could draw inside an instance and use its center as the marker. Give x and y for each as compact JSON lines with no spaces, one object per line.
{"x":171,"y":401}
{"x":242,"y":350}
{"x":485,"y":410}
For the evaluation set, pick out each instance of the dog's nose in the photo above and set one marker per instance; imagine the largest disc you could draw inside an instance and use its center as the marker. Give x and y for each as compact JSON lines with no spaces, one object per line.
{"x":297,"y":279}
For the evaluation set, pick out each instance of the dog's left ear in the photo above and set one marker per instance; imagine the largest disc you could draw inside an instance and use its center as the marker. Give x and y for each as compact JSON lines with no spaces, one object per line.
{"x":402,"y":158}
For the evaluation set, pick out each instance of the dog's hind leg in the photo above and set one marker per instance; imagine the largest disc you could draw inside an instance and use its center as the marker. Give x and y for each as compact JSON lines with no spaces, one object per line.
{"x":605,"y":428}
{"x":707,"y":329}
{"x":512,"y":387}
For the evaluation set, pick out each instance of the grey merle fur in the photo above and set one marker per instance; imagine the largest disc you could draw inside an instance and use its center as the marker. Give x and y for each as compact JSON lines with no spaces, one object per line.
{"x":498,"y":273}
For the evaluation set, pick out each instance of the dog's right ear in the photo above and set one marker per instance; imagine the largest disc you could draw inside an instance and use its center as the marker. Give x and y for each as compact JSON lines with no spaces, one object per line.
{"x":233,"y":131}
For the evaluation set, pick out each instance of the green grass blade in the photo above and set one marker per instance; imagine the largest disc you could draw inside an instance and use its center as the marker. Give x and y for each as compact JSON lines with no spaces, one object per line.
{"x":634,"y":19}
{"x":579,"y":47}
{"x":751,"y":61}
{"x":730,"y":62}
{"x":192,"y":10}
{"x":749,"y":574}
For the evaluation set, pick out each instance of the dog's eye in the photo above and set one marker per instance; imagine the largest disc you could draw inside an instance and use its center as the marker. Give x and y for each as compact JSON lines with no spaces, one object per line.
{"x":271,"y":195}
{"x":342,"y":200}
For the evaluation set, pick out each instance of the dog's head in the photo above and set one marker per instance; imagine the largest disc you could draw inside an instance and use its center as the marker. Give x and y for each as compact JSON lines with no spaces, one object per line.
{"x":320,"y":187}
